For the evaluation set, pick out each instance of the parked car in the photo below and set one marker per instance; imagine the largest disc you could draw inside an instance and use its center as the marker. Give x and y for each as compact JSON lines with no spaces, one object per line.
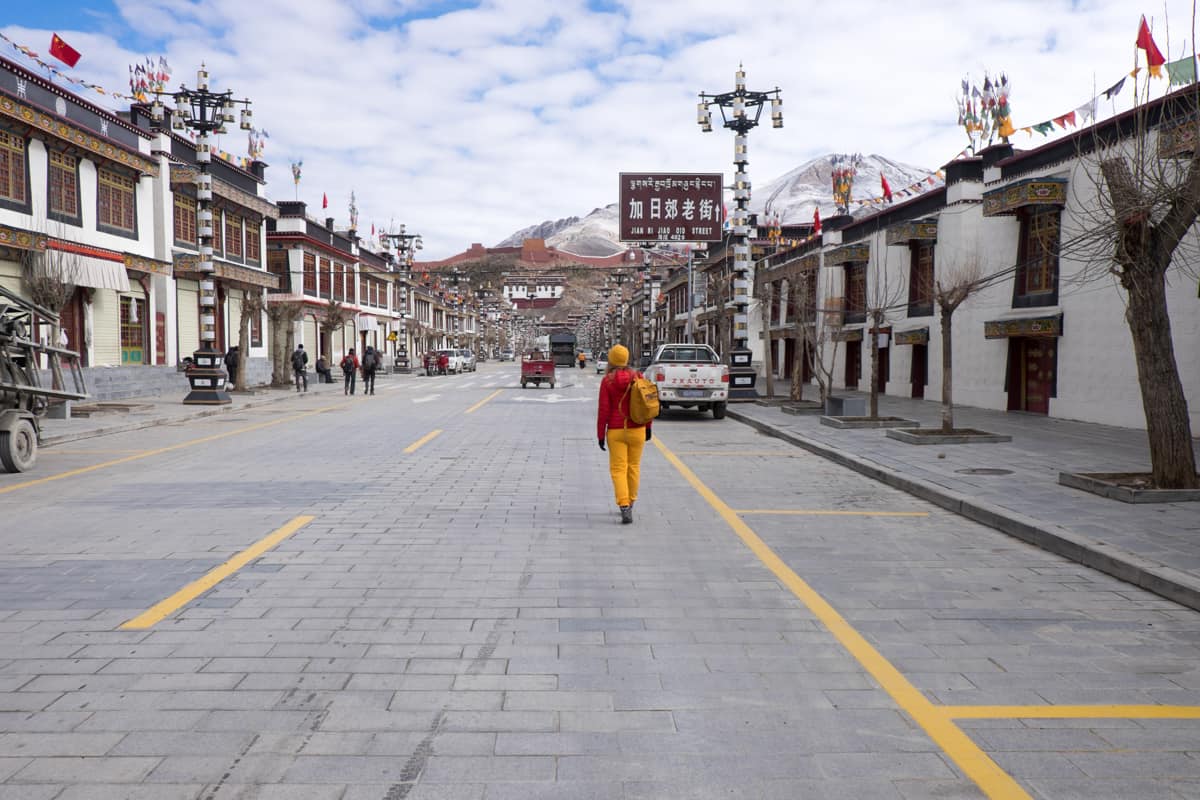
{"x":690,"y":376}
{"x":468,"y":360}
{"x":601,"y":364}
{"x":507,"y":355}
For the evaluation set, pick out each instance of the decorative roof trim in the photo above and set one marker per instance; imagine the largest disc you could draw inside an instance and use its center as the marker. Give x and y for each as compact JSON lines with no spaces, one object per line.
{"x":849,"y":254}
{"x":79,"y":137}
{"x":1029,"y":192}
{"x":22,"y":240}
{"x":183,"y":174}
{"x":919,"y":230}
{"x":1045,"y":327}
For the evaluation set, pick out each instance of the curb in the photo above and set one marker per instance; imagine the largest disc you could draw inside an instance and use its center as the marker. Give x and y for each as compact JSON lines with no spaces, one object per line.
{"x":1144,"y":573}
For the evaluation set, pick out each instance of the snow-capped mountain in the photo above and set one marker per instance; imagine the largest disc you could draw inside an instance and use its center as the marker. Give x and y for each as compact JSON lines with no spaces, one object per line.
{"x":594,"y":235}
{"x":792,"y":196}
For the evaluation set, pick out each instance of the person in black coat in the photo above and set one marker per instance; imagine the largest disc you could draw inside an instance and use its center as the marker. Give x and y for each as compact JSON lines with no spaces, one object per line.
{"x":232,"y":362}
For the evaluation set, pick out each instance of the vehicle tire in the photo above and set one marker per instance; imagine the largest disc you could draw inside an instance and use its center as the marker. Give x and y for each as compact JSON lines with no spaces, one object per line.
{"x":18,"y":448}
{"x":551,"y":384}
{"x":522,"y":384}
{"x":664,"y":406}
{"x":718,"y":411}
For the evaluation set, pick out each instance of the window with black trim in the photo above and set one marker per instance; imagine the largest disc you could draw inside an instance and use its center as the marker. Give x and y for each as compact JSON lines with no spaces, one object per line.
{"x":63,"y":185}
{"x":185,"y":219}
{"x":14,"y":172}
{"x":1036,"y":282}
{"x":115,"y":202}
{"x":856,"y":293}
{"x":920,"y":279}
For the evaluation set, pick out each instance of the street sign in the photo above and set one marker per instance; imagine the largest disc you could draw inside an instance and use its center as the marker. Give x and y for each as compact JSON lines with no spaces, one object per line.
{"x":391,"y":337}
{"x":670,"y":207}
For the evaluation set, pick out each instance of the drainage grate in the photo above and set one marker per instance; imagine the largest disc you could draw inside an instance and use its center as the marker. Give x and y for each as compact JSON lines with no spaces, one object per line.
{"x":984,"y":471}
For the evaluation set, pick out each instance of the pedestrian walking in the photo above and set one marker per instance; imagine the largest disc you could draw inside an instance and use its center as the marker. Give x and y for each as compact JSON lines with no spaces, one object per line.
{"x":624,"y":437}
{"x":300,"y":367}
{"x":370,"y":363}
{"x":232,"y":361}
{"x":349,"y":367}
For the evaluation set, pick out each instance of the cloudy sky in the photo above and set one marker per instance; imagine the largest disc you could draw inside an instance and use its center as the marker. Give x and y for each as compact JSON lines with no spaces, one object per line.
{"x":470,"y":120}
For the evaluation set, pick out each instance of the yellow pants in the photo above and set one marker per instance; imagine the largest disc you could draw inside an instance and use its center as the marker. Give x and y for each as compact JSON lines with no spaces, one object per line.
{"x":625,"y":462}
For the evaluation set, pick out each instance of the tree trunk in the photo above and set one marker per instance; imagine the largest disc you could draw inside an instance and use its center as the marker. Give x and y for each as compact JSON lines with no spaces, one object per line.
{"x":239,"y":385}
{"x":873,"y":395}
{"x":768,"y":365}
{"x":947,"y":371}
{"x":1168,"y":428}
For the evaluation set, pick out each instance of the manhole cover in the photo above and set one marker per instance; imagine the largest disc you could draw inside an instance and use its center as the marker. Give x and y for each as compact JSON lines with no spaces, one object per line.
{"x":984,"y":471}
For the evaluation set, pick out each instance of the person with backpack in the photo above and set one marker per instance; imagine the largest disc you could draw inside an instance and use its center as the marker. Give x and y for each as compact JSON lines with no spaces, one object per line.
{"x":299,"y":363}
{"x":232,"y":360}
{"x":623,"y":424}
{"x":349,"y":367}
{"x":370,"y":363}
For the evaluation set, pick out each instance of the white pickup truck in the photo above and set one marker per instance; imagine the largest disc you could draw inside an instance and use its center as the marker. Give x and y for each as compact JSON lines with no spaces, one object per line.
{"x":690,"y":376}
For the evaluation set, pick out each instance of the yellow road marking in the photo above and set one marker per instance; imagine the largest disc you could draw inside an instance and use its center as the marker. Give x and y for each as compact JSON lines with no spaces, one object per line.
{"x":147,"y":453}
{"x":775,"y":453}
{"x":54,"y":451}
{"x":1071,"y":712}
{"x":484,"y":400}
{"x":412,"y":448}
{"x":818,"y":513}
{"x":164,"y":608}
{"x":968,"y":756}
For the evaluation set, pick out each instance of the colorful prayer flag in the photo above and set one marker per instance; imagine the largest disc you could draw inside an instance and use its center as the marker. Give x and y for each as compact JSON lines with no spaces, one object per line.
{"x":63,"y":51}
{"x":1182,"y":71}
{"x":1114,"y":90}
{"x":1154,"y":59}
{"x":816,"y":221}
{"x":887,"y":190}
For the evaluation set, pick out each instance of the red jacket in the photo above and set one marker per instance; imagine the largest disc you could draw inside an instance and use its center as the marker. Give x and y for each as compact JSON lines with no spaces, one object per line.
{"x":614,"y":402}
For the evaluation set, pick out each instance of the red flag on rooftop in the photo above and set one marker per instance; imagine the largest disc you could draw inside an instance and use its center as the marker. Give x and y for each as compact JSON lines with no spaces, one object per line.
{"x":887,"y":190}
{"x":324,"y":200}
{"x":1154,"y":59}
{"x":63,"y":51}
{"x":816,"y":221}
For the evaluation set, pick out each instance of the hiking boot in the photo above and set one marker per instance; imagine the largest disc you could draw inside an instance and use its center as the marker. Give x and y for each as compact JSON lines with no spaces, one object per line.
{"x":626,"y":515}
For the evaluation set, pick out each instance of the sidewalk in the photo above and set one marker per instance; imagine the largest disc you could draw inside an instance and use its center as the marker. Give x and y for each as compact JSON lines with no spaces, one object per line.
{"x":145,"y":412}
{"x":1155,"y":546}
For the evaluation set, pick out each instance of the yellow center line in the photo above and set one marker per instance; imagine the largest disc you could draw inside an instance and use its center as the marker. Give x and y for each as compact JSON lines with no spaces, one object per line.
{"x":147,"y":453}
{"x":820,"y":513}
{"x":412,"y":448}
{"x":483,"y":401}
{"x":1071,"y":712}
{"x":968,"y":756}
{"x":164,"y":608}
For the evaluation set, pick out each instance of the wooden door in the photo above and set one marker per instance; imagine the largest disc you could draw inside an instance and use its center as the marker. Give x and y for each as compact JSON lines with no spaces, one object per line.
{"x":1032,"y":375}
{"x":884,"y":354}
{"x":853,"y":364}
{"x":919,"y":374}
{"x":71,"y":320}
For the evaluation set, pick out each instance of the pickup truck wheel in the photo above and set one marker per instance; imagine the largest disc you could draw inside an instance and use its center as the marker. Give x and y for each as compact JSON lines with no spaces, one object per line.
{"x":551,"y":384}
{"x":522,"y":384}
{"x":718,"y":411}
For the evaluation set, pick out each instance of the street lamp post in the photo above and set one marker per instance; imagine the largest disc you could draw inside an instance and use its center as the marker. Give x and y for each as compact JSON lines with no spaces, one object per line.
{"x":744,"y":109}
{"x":204,"y":112}
{"x":406,"y":245}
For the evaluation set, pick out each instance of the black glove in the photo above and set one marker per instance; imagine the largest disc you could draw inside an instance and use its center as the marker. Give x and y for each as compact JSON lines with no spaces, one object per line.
{"x":600,"y":442}
{"x":648,"y":434}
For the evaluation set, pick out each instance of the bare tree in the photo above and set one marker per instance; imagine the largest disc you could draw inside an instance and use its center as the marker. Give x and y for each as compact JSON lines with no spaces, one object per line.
{"x":283,"y":317}
{"x":333,"y":318}
{"x":884,"y":292}
{"x":768,"y":295}
{"x":802,"y":309}
{"x":252,"y":306}
{"x":1138,"y":225}
{"x":955,"y":282}
{"x":50,"y":276}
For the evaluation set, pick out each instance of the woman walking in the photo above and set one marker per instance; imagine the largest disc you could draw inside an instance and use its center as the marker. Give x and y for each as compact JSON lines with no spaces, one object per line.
{"x":624,"y":437}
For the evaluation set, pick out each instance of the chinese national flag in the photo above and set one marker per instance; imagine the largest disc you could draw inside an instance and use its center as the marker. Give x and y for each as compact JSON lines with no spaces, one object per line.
{"x":816,"y":221}
{"x":887,"y":190}
{"x":1154,"y":59}
{"x":324,"y":200}
{"x":64,"y":52}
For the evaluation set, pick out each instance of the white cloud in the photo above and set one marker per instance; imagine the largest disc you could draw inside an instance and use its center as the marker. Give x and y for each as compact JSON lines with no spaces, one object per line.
{"x":469,"y":124}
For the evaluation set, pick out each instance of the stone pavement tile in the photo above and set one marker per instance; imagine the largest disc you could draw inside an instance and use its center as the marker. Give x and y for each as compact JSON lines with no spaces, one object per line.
{"x":555,"y":744}
{"x":559,"y":700}
{"x":181,"y":791}
{"x":500,"y":721}
{"x":167,"y":743}
{"x":282,"y":791}
{"x":417,"y":791}
{"x":1113,"y":789}
{"x":256,"y":721}
{"x":594,"y":682}
{"x":142,"y":720}
{"x":1137,"y":765}
{"x":413,"y":700}
{"x":345,"y":769}
{"x":10,"y":765}
{"x":444,"y":744}
{"x":1029,"y":765}
{"x":74,"y":770}
{"x":41,"y":722}
{"x":358,"y":719}
{"x":488,"y":769}
{"x":57,"y":744}
{"x":560,"y":790}
{"x":36,"y":792}
{"x":505,"y":683}
{"x":54,"y":666}
{"x":614,"y":721}
{"x":401,"y":682}
{"x":28,"y":701}
{"x":250,"y":769}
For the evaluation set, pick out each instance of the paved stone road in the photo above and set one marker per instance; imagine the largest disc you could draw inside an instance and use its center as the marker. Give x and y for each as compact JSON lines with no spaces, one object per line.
{"x":469,"y":620}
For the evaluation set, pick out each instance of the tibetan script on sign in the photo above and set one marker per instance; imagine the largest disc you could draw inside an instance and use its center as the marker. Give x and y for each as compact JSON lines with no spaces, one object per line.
{"x":671,"y":207}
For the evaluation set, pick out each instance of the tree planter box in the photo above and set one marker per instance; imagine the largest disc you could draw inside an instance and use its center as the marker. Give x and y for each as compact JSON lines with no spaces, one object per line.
{"x":869,"y":422}
{"x":959,"y":436}
{"x":803,"y":407}
{"x":845,"y":406}
{"x":1109,"y":484}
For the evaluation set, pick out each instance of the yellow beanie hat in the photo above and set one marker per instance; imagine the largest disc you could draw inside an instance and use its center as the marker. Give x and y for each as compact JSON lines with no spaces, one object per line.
{"x":618,"y":355}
